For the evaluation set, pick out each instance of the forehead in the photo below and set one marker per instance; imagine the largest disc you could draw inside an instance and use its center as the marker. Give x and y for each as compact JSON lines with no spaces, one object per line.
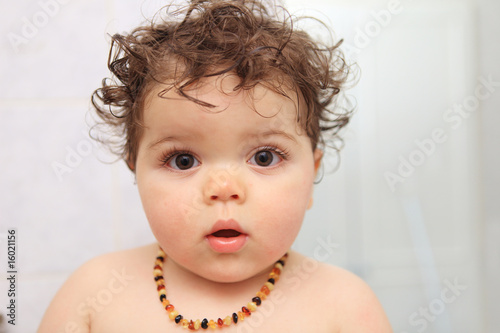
{"x":221,"y":93}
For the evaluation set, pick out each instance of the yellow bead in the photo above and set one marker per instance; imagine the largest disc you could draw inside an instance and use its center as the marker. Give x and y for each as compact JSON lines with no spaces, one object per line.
{"x":197,"y":324}
{"x":279,"y":266}
{"x":184,"y":323}
{"x":228,"y":321}
{"x":241,"y":316}
{"x":212,"y":324}
{"x":165,"y":302}
{"x":269,"y":285}
{"x":173,"y":314}
{"x":252,"y":306}
{"x":157,"y":272}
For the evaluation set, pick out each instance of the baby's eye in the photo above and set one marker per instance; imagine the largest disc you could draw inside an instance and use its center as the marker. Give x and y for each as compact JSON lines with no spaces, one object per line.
{"x":266,"y":158}
{"x":182,"y":161}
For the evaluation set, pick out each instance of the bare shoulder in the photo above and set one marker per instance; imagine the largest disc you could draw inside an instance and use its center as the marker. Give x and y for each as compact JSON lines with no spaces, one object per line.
{"x":76,"y":302}
{"x":349,"y":302}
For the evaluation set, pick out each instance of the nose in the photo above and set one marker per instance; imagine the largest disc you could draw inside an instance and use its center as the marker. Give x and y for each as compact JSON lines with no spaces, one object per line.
{"x":223,"y":186}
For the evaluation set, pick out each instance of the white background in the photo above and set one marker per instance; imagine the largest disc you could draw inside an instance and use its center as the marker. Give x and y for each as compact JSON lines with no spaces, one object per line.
{"x":439,"y":224}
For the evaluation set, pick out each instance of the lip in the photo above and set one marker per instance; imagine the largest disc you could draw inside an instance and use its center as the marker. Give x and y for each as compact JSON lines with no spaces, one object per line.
{"x":226,"y":244}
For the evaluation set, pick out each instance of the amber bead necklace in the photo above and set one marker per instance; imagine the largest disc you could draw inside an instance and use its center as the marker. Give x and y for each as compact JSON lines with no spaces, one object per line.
{"x":236,"y":317}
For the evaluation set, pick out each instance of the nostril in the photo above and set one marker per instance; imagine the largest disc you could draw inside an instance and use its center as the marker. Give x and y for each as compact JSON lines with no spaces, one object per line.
{"x":216,"y":197}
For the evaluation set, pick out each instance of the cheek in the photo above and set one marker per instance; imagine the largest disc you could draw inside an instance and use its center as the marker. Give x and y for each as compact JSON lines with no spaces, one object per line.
{"x":166,"y":208}
{"x":284,"y":209}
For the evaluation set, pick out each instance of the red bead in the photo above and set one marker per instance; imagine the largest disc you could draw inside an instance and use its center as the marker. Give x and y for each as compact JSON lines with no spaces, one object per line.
{"x":220,"y":322}
{"x":246,"y":311}
{"x":191,"y":325}
{"x":157,"y":267}
{"x":169,"y":308}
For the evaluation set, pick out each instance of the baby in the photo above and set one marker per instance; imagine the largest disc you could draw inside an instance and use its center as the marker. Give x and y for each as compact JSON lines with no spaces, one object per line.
{"x":222,"y":112}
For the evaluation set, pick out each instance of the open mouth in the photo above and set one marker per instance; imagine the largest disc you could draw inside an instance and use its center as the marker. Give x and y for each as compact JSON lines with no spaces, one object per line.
{"x":227,"y":239}
{"x":226,"y":233}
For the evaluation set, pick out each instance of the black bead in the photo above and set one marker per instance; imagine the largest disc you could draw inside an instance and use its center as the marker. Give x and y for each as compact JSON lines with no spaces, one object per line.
{"x":235,"y":318}
{"x":163,"y":297}
{"x":281,"y":262}
{"x":158,"y":277}
{"x":257,"y":300}
{"x":178,"y":319}
{"x":160,"y":258}
{"x":204,"y":324}
{"x":271,"y":280}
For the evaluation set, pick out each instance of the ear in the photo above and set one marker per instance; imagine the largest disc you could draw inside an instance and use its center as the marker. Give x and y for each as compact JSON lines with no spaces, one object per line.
{"x":317,"y":155}
{"x":130,"y":163}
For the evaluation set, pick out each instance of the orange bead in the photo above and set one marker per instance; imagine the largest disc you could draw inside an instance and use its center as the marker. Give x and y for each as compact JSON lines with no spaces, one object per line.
{"x":241,"y":316}
{"x":212,"y":324}
{"x":274,"y":276}
{"x":191,"y":325}
{"x":265,"y":290}
{"x":184,"y":323}
{"x":169,"y":308}
{"x":261,"y":295}
{"x":165,"y":302}
{"x":276,"y":271}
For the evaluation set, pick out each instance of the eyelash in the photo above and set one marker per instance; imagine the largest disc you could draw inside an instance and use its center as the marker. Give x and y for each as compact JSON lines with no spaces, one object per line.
{"x":283,"y":153}
{"x":168,"y":155}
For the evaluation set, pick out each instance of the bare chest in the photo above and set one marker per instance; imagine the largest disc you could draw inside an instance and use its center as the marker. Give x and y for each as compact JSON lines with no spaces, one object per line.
{"x":137,"y":309}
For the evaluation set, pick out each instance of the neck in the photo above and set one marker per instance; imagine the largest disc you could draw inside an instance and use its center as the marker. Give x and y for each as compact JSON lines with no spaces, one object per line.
{"x":196,"y":296}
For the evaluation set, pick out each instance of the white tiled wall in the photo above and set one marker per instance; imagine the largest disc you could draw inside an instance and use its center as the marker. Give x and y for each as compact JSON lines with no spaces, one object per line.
{"x":405,"y":243}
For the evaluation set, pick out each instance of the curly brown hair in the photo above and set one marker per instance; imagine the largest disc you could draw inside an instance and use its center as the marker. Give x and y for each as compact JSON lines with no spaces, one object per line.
{"x":213,"y":37}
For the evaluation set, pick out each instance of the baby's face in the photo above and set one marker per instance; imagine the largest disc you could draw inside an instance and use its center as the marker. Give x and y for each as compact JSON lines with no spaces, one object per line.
{"x":224,"y":190}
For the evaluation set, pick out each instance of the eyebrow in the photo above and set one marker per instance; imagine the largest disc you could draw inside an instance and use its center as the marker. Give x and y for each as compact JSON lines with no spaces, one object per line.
{"x":255,"y":135}
{"x":275,"y":132}
{"x":162,"y":140}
